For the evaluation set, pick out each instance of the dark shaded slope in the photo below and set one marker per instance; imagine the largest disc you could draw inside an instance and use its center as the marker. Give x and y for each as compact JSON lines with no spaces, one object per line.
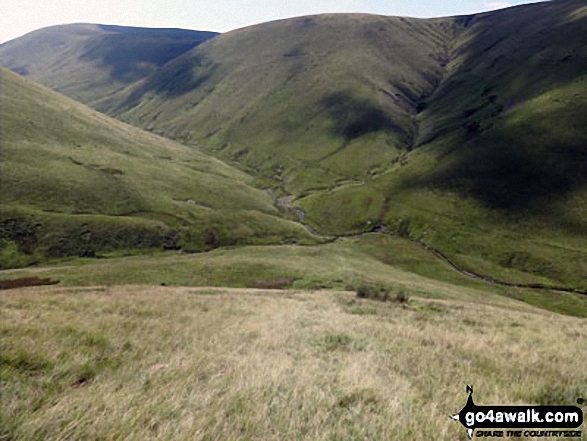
{"x":498,"y":181}
{"x":88,"y":62}
{"x":516,"y":103}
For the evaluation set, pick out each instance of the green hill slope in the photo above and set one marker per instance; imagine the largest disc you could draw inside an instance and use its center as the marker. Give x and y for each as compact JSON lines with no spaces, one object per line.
{"x":499,"y":179}
{"x":467,"y":133}
{"x":75,"y":182}
{"x":516,"y":95}
{"x":88,"y":61}
{"x":317,"y":99}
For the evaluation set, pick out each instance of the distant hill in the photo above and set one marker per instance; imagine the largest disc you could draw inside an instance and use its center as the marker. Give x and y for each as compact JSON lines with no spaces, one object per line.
{"x":89,"y":61}
{"x":320,"y":99}
{"x":466,"y":132}
{"x":75,"y":182}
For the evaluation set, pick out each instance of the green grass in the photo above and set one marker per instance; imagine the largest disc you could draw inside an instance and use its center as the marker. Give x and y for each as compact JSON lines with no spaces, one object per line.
{"x":460,"y":131}
{"x":75,"y":182}
{"x":466,"y":133}
{"x":307,"y":107}
{"x":521,"y":248}
{"x":187,"y":364}
{"x":392,"y":263}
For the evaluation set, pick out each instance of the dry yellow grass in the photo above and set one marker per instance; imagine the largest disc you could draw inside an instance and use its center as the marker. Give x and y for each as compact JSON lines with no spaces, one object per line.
{"x":224,"y":364}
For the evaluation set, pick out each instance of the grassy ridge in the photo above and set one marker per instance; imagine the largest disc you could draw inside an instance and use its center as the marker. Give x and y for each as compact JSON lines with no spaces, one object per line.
{"x":88,"y":62}
{"x":76,"y":182}
{"x":189,"y":363}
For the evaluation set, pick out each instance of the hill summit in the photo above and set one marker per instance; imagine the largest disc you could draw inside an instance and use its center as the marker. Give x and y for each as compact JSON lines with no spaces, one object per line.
{"x":90,"y":61}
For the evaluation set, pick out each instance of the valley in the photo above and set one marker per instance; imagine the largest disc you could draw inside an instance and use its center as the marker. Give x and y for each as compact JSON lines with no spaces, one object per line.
{"x":322,"y":227}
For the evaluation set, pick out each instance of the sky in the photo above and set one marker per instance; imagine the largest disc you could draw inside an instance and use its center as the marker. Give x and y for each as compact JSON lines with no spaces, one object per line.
{"x":18,"y":17}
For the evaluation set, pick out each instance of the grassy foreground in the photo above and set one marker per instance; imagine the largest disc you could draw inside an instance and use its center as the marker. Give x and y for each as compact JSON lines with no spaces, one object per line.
{"x":204,"y":363}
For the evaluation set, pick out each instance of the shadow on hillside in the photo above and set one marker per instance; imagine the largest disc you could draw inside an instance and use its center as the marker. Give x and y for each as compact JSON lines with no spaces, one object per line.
{"x":543,"y":52}
{"x":526,"y":166}
{"x":354,"y":118}
{"x":180,"y":78}
{"x":509,"y":175}
{"x":131,"y":54}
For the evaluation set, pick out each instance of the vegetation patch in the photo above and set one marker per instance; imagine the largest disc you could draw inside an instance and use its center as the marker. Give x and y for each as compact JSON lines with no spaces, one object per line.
{"x":341,"y":342}
{"x":558,"y":393}
{"x":383,"y":294}
{"x":361,"y":397}
{"x":274,"y":283}
{"x":26,"y":363}
{"x":354,"y":307}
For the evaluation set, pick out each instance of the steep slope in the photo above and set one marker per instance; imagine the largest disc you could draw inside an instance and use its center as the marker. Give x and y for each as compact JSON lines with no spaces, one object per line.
{"x":317,"y":99}
{"x":88,"y":62}
{"x":75,"y":182}
{"x":516,"y":94}
{"x":499,"y":179}
{"x":467,"y":133}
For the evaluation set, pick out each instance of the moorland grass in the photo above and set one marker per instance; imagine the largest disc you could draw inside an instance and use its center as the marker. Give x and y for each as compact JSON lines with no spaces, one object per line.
{"x":468,"y":130}
{"x":177,"y":363}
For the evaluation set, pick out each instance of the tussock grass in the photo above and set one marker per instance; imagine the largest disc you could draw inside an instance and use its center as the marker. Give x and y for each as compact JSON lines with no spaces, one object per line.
{"x":181,"y":363}
{"x":382,"y":294}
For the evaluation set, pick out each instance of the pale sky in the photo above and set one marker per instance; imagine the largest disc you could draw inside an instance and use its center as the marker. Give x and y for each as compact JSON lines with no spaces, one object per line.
{"x":18,"y":17}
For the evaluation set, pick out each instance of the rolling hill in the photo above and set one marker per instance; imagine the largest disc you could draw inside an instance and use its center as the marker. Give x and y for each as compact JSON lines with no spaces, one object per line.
{"x":89,"y":61}
{"x":76,"y":182}
{"x":315,"y":99}
{"x":466,"y":133}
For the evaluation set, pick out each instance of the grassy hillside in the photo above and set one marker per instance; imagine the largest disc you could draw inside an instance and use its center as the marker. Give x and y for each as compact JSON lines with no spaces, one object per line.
{"x":515,"y":96}
{"x":196,"y":364}
{"x":88,"y":61}
{"x":498,"y":181}
{"x":467,"y":132}
{"x":311,"y":100}
{"x":75,"y":182}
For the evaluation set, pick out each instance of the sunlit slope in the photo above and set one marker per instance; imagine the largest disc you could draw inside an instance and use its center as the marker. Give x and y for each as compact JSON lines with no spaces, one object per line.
{"x":90,"y":61}
{"x":89,"y":175}
{"x":498,"y":180}
{"x":467,"y":133}
{"x":314,"y":99}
